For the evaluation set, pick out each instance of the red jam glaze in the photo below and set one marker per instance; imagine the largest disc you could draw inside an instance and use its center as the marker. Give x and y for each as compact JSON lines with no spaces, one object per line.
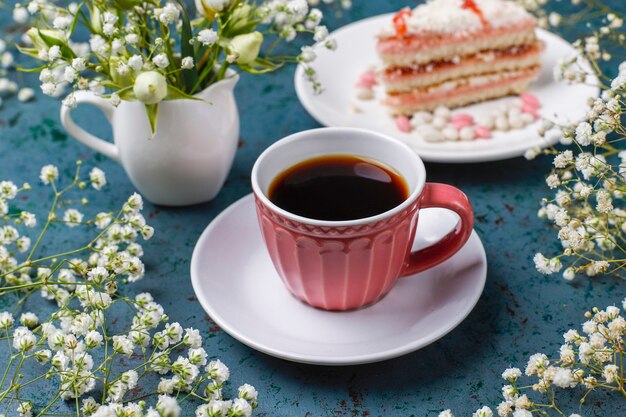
{"x":472,"y":6}
{"x":399,"y":21}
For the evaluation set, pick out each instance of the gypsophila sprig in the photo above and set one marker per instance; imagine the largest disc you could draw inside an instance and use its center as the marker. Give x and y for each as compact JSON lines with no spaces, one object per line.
{"x":591,"y":359}
{"x":155,"y":51}
{"x":587,"y":206}
{"x":86,"y":359}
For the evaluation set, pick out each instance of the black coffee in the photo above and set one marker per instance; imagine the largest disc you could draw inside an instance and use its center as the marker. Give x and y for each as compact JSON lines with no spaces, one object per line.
{"x":338,"y":187}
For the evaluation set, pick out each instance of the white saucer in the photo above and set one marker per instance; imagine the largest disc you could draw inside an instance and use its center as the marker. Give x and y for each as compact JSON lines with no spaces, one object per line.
{"x":339,"y":70}
{"x":236,"y":284}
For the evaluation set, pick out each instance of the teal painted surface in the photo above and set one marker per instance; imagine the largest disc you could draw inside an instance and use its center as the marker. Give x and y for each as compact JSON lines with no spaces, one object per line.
{"x":519,"y":313}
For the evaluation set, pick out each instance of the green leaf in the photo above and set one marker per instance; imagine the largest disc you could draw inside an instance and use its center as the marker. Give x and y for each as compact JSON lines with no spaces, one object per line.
{"x":152,"y":110}
{"x":261,"y":66}
{"x":174,"y":93}
{"x":190,"y":76}
{"x":38,"y":69}
{"x":33,"y":52}
{"x":66,"y":51}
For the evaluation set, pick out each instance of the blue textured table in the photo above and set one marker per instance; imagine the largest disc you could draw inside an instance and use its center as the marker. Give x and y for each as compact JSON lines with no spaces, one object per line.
{"x":519,"y":313}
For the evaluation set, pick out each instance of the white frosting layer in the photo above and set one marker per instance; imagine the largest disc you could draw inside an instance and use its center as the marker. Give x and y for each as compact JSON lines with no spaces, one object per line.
{"x":448,"y":16}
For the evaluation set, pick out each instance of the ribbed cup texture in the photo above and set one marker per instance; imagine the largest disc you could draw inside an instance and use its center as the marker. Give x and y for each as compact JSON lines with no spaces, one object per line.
{"x":338,"y":268}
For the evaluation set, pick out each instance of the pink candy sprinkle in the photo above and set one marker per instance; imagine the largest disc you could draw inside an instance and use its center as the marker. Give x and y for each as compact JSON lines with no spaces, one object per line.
{"x":526,"y":108}
{"x":403,"y":123}
{"x":530,"y":100}
{"x":482,"y":132}
{"x":367,"y":79}
{"x":460,"y":124}
{"x":464,"y":118}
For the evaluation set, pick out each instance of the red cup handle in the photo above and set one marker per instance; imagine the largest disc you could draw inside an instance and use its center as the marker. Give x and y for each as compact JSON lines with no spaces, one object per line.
{"x":451,"y":198}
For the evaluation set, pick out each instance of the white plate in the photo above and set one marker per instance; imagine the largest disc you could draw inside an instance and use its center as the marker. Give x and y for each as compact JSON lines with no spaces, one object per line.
{"x":237,"y":285}
{"x":338,"y":71}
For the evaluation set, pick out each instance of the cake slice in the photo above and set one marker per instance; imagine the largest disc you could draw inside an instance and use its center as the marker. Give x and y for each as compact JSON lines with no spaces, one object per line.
{"x":457,"y":52}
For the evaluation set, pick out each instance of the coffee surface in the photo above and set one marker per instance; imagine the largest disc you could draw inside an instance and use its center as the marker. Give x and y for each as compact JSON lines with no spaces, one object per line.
{"x":338,"y":187}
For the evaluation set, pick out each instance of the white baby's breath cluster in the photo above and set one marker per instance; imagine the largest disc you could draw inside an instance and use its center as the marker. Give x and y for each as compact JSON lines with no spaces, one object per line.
{"x":588,"y":177}
{"x":589,"y":360}
{"x":79,"y":348}
{"x":158,"y":50}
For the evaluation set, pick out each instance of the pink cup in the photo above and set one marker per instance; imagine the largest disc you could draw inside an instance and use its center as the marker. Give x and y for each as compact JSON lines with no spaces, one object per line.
{"x":343,"y":265}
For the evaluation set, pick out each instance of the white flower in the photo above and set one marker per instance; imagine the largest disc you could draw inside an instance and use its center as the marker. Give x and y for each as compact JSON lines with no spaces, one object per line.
{"x":23,"y":339}
{"x":313,"y":19}
{"x":6,"y":320}
{"x":48,"y":89}
{"x":192,"y":338}
{"x":168,"y":14}
{"x":25,"y":409}
{"x":197,"y":356}
{"x":511,"y":374}
{"x":8,"y":190}
{"x":168,"y":406}
{"x":115,"y":101}
{"x":307,"y":54}
{"x":70,"y":101}
{"x":536,"y":364}
{"x":161,"y":61}
{"x":78,"y":64}
{"x":109,"y":29}
{"x":93,"y":339}
{"x":135,"y":62}
{"x":123,"y":345}
{"x":29,"y":320}
{"x":25,"y":94}
{"x":611,"y":373}
{"x":321,"y":33}
{"x":62,"y":22}
{"x":241,"y":408}
{"x":569,"y":274}
{"x":49,"y":173}
{"x":522,"y":413}
{"x":563,"y":378}
{"x":483,"y":412}
{"x":150,"y":87}
{"x":218,"y":371}
{"x":446,"y":413}
{"x":54,"y":53}
{"x":546,"y":266}
{"x":214,"y":5}
{"x":583,"y":134}
{"x":187,"y":63}
{"x":97,"y":177}
{"x":72,"y":217}
{"x":131,"y":38}
{"x":20,"y":15}
{"x":207,"y":37}
{"x":248,"y":392}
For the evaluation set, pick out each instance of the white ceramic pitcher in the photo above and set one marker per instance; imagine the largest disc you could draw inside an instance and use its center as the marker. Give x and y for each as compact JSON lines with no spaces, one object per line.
{"x":191,"y":154}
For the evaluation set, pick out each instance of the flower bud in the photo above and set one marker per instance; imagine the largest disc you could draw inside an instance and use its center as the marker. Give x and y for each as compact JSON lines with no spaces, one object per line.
{"x":208,"y":8}
{"x":54,"y":37}
{"x":150,"y":87}
{"x":246,"y":47}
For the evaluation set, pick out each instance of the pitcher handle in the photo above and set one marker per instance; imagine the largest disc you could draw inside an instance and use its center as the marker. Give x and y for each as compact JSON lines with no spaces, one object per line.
{"x":100,"y":145}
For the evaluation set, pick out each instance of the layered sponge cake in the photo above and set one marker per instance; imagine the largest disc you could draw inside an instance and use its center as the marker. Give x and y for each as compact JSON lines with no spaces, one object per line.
{"x":456,"y":52}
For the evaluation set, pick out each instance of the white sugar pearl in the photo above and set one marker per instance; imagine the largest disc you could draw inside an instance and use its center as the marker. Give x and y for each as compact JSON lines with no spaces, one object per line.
{"x":516,"y":122}
{"x":450,"y":133}
{"x":430,"y":134}
{"x":502,"y":123}
{"x":364,"y":93}
{"x":485,"y":120}
{"x":439,"y":123}
{"x":423,"y":116}
{"x":517,"y":103}
{"x":527,"y":118}
{"x":419,"y":119}
{"x":501,"y":110}
{"x":442,"y":112}
{"x":514,"y":112}
{"x":467,"y":133}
